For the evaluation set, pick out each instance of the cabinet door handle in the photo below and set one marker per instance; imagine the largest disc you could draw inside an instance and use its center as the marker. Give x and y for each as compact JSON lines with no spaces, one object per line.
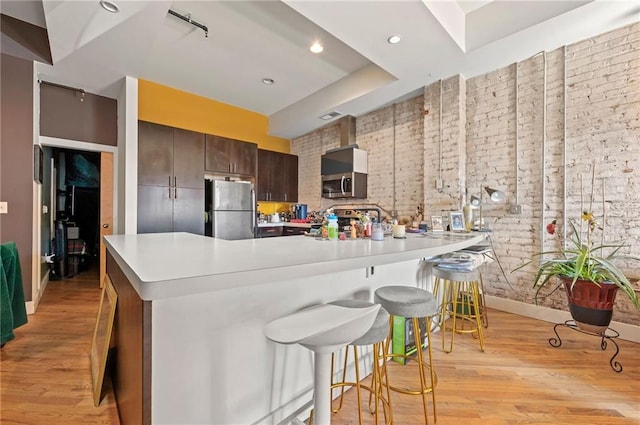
{"x":169,"y":181}
{"x":169,"y":192}
{"x":175,"y":181}
{"x":175,"y":193}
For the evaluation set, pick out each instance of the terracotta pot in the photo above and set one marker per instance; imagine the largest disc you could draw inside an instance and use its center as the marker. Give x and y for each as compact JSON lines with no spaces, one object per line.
{"x":591,"y":306}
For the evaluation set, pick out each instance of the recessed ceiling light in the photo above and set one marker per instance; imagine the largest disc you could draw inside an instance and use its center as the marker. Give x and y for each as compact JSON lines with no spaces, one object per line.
{"x":316,"y":47}
{"x":267,"y":81}
{"x":109,"y":6}
{"x":394,"y":39}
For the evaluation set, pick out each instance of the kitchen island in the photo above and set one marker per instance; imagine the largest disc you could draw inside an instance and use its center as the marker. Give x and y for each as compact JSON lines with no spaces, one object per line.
{"x":189,"y":345}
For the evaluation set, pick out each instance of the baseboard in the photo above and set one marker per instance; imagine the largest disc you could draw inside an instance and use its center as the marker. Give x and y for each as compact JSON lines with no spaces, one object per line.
{"x":627,"y":332}
{"x":32,"y":306}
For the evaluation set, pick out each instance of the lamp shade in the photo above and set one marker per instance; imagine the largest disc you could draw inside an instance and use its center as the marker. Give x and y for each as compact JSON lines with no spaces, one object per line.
{"x":495,"y":194}
{"x":474,"y":201}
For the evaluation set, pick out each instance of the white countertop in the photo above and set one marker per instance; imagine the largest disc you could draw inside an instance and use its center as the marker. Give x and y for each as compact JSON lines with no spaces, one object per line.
{"x":164,"y":265}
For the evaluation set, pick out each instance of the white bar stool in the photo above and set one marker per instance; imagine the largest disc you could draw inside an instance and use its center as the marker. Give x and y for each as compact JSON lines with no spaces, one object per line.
{"x":412,"y":303}
{"x":322,"y":329}
{"x":462,"y":303}
{"x":374,"y":337}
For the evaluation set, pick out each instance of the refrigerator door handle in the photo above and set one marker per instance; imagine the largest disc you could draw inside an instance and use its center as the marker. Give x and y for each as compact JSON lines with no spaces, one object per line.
{"x":253,"y":211}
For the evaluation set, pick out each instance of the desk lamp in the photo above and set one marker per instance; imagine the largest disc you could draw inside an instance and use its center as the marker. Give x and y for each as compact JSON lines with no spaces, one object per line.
{"x":495,"y":195}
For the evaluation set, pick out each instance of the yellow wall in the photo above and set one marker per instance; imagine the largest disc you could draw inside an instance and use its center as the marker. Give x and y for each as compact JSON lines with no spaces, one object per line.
{"x":165,"y":105}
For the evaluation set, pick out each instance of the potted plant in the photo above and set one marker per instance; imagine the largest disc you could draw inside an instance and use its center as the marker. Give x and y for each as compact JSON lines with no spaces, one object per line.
{"x":586,"y":269}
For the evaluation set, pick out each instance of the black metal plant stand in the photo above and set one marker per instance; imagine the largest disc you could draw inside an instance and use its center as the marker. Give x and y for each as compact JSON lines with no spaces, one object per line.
{"x":608,"y":335}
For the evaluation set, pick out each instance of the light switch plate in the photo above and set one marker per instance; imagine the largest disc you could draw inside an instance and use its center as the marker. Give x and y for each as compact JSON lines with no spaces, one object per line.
{"x":4,"y":207}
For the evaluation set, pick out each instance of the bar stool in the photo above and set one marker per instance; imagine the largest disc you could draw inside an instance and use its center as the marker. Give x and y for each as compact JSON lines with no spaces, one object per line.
{"x":461,"y":303}
{"x":412,"y":303}
{"x":375,"y":337}
{"x":322,"y":329}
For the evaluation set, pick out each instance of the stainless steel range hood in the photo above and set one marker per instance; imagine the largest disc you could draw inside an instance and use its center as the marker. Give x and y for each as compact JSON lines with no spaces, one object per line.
{"x":344,"y":169}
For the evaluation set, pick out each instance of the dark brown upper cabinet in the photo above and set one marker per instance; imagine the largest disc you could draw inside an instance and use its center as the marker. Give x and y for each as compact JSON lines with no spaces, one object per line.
{"x":277,"y":179}
{"x":229,"y":156}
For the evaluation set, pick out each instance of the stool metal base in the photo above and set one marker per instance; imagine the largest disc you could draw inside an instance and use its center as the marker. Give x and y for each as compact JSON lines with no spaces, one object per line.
{"x":423,"y":366}
{"x":461,"y":304}
{"x":375,"y":390}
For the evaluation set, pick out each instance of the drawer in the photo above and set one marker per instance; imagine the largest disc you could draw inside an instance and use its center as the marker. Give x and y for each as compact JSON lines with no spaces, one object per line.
{"x":269,"y":231}
{"x":292,"y":231}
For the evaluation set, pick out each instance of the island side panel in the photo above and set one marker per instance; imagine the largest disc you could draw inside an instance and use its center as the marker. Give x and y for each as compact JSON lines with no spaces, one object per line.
{"x":234,"y":375}
{"x":132,"y":341}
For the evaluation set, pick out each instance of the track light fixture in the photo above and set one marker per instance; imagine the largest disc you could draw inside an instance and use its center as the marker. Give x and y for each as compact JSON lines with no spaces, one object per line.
{"x":187,"y":18}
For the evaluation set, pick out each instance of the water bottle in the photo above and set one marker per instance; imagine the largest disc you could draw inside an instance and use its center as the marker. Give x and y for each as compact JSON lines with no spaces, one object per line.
{"x":332,"y":227}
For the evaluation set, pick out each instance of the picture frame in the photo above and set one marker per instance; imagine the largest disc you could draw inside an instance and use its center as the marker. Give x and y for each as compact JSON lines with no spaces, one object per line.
{"x":436,"y":223}
{"x":456,"y":221}
{"x":102,"y":337}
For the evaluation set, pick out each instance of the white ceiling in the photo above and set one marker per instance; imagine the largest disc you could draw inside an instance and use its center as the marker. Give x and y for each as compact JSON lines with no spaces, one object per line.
{"x":249,"y":40}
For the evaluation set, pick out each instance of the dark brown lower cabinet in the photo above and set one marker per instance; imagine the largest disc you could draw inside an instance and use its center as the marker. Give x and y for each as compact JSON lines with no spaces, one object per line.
{"x":188,"y":211}
{"x":294,"y":231}
{"x":170,"y":209}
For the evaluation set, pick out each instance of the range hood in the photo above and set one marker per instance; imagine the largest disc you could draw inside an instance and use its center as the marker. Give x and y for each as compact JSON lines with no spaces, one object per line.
{"x":347,"y":158}
{"x":344,"y":169}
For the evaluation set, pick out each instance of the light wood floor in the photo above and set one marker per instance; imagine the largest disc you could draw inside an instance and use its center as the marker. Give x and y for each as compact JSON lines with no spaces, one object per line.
{"x":520,"y":379}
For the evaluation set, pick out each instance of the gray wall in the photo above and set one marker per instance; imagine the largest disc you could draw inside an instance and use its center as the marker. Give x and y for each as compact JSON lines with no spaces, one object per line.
{"x":16,"y":158}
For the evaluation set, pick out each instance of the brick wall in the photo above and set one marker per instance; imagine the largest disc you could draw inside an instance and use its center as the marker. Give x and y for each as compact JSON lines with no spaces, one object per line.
{"x":602,"y":127}
{"x":477,"y":145}
{"x":393,"y":160}
{"x":444,"y":146}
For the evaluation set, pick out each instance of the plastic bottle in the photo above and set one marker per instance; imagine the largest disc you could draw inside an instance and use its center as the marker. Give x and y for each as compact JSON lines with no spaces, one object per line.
{"x":332,"y":227}
{"x":377,"y":232}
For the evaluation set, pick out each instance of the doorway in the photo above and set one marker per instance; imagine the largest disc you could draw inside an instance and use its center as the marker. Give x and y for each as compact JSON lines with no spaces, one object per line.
{"x":75,"y":201}
{"x":77,"y":194}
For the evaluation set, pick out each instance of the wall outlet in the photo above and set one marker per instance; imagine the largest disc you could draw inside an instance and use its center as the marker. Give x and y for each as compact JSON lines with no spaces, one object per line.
{"x":439,"y":184}
{"x":4,"y":207}
{"x":515,"y":209}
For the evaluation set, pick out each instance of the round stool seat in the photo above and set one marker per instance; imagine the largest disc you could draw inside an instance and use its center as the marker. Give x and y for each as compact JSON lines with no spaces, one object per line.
{"x":375,"y":337}
{"x":322,"y":329}
{"x":322,"y":326}
{"x":456,"y":275}
{"x":406,"y":301}
{"x":380,"y":328}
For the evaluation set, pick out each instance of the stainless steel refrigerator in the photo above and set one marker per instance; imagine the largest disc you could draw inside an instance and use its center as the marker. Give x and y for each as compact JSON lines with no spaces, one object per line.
{"x":233,"y":214}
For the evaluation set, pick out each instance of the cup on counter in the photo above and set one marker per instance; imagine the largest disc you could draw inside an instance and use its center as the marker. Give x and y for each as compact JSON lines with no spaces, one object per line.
{"x":377,"y":232}
{"x":399,"y":231}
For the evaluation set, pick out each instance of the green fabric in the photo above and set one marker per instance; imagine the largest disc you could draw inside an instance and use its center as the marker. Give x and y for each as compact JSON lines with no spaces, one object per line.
{"x":13,"y":312}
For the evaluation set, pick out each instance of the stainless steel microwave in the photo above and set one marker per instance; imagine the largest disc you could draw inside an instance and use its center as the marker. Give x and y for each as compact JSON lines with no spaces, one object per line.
{"x":346,"y":185}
